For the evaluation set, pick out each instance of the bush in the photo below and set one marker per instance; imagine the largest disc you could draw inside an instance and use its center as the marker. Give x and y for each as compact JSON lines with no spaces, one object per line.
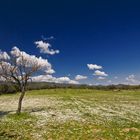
{"x":8,"y":88}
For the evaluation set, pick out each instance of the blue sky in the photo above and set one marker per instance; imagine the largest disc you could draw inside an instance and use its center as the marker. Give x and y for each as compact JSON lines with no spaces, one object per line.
{"x":105,"y":33}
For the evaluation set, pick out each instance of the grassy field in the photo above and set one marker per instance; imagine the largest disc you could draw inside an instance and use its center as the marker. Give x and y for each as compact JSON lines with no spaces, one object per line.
{"x":71,"y":114}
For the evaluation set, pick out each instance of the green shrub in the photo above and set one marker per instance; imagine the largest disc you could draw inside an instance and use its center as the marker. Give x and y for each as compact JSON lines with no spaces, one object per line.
{"x":8,"y":88}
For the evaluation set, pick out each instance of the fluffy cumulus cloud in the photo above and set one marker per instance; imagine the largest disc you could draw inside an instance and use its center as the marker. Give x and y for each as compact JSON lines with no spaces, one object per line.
{"x":50,"y":78}
{"x":94,"y":66}
{"x":31,"y":62}
{"x":101,"y":78}
{"x":66,"y":80}
{"x":50,"y":71}
{"x":100,"y":73}
{"x":45,"y":48}
{"x":97,"y":72}
{"x":131,"y":78}
{"x":80,"y":77}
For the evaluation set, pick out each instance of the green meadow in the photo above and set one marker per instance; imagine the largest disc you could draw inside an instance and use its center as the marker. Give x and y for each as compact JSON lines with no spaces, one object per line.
{"x":71,"y":114}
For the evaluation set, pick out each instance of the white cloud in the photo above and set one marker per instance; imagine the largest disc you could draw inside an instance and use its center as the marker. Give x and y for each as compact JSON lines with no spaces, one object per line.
{"x":80,"y":77}
{"x":47,"y":38}
{"x":94,"y":66}
{"x":73,"y":82}
{"x":101,"y":78}
{"x":45,"y":48}
{"x":131,"y":78}
{"x":50,"y":78}
{"x":63,"y":79}
{"x":100,"y":73}
{"x":43,"y":78}
{"x":109,"y":81}
{"x":50,"y":71}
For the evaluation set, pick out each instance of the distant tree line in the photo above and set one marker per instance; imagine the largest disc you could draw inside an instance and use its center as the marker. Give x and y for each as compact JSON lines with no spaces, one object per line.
{"x":6,"y":88}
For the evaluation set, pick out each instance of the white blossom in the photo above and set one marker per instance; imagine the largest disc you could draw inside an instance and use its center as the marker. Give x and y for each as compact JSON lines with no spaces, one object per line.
{"x":4,"y":56}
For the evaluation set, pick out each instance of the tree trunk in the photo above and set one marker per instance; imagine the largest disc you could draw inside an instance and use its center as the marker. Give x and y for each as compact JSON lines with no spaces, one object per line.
{"x":20,"y":100}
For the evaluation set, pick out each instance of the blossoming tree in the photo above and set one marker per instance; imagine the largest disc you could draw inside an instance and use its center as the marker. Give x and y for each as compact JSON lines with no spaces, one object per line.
{"x":18,"y":67}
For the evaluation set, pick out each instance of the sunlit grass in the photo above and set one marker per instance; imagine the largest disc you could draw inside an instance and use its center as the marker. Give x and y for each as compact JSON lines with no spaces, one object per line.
{"x":72,"y":114}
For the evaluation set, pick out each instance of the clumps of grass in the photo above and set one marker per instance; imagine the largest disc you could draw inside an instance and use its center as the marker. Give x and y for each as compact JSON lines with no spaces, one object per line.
{"x":69,"y":114}
{"x":71,"y":130}
{"x":22,"y":116}
{"x":19,"y":127}
{"x":75,"y":130}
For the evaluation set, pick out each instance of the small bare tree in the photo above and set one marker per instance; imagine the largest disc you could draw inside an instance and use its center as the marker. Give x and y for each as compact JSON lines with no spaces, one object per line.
{"x":18,"y":67}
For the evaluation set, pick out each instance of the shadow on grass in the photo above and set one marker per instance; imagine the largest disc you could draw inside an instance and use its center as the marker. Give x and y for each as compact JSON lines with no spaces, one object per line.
{"x":3,"y":113}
